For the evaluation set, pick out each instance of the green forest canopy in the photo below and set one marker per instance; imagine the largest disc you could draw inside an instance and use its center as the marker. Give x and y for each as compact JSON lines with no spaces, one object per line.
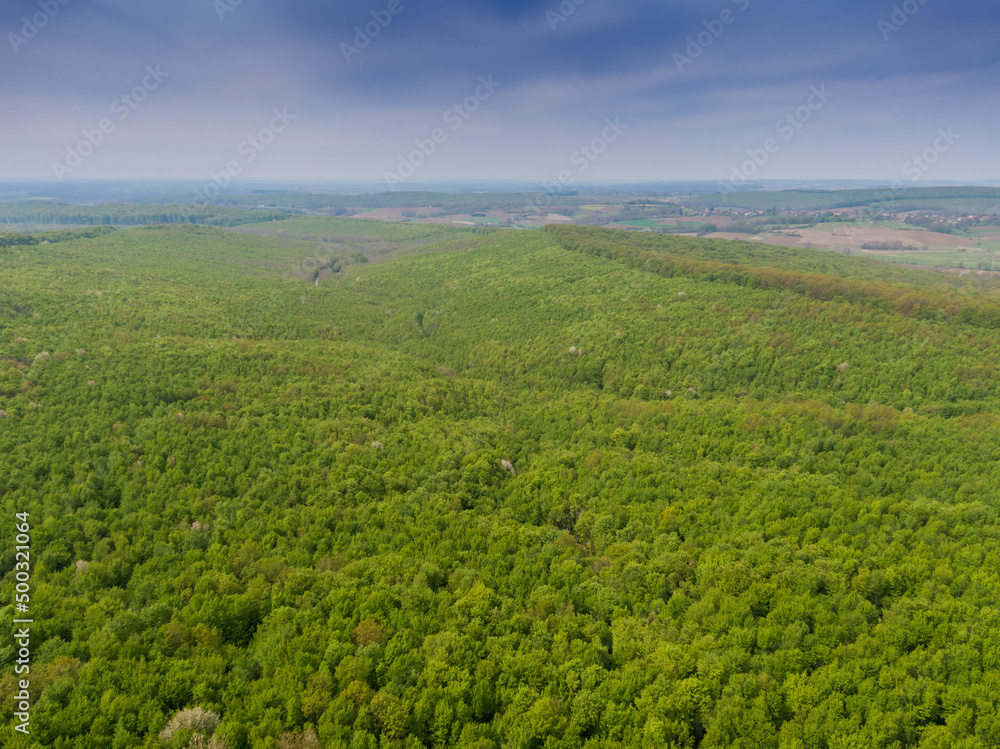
{"x":569,"y":488}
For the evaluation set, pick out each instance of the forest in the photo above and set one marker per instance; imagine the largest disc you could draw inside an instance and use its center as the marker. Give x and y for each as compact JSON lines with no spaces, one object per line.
{"x":564,"y":489}
{"x":127,"y":214}
{"x":896,"y":199}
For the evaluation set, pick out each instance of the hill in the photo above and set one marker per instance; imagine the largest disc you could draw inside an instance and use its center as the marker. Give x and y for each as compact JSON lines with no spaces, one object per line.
{"x":567,"y":488}
{"x":977,"y":200}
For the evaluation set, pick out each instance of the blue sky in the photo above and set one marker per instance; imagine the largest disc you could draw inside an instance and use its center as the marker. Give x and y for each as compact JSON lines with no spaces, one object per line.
{"x":698,"y":87}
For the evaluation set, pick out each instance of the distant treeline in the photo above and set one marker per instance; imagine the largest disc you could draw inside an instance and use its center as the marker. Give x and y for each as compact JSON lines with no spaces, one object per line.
{"x":979,"y":200}
{"x":118,"y":214}
{"x":445,"y":203}
{"x":11,"y":239}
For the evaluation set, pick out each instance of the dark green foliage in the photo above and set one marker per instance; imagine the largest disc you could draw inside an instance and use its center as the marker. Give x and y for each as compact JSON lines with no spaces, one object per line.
{"x":10,"y":239}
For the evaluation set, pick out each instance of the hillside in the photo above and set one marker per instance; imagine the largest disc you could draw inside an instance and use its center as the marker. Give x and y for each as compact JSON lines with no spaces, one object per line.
{"x":44,"y":212}
{"x":565,"y":488}
{"x":885,"y":200}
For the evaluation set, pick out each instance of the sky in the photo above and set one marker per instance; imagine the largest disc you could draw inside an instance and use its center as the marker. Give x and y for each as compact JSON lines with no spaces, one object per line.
{"x":559,"y":92}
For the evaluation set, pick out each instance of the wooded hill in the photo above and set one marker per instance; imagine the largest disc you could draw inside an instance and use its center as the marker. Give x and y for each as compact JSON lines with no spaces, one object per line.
{"x":571,"y":488}
{"x":953,"y":200}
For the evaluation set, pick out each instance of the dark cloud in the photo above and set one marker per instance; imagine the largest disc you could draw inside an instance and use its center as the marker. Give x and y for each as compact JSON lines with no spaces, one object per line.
{"x":695,"y":80}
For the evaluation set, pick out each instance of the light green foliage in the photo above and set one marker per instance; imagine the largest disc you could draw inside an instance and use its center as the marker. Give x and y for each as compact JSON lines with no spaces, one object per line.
{"x":512,"y":494}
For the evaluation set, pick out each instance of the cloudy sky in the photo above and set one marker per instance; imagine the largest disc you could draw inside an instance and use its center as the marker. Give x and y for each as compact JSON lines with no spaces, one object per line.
{"x":692,"y":89}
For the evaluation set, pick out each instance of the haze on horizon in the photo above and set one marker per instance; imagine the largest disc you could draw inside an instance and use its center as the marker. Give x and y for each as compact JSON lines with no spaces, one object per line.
{"x":579,"y":91}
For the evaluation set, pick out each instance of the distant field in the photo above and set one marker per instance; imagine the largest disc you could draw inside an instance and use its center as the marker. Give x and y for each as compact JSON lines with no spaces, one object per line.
{"x":855,"y":236}
{"x":837,"y":226}
{"x":918,"y":247}
{"x":643,"y":222}
{"x":652,"y":223}
{"x":728,"y":235}
{"x":989,"y":237}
